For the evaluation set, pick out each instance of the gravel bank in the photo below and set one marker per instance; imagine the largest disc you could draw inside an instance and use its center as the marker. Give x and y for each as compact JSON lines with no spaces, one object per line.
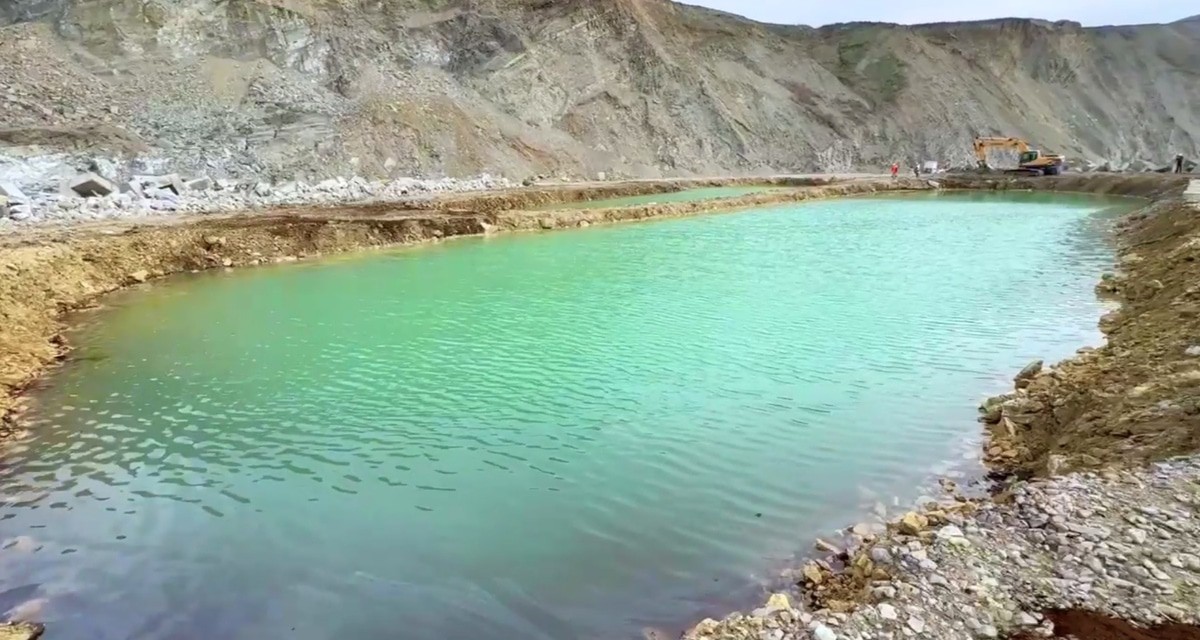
{"x":1119,"y":542}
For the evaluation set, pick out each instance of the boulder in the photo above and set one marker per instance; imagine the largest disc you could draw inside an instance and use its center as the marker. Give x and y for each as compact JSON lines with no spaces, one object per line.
{"x":1021,"y":411}
{"x":134,"y":187}
{"x":139,"y":276}
{"x":13,"y":193}
{"x":778,"y":602}
{"x":912,"y":523}
{"x":262,"y":189}
{"x":90,"y":185}
{"x":20,"y":212}
{"x":822,"y":632}
{"x":198,"y":184}
{"x":21,"y":631}
{"x":992,"y":409}
{"x":813,"y":574}
{"x":1027,"y":374}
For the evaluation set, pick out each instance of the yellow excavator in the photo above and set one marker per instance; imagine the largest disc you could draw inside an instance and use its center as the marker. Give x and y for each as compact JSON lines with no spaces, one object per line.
{"x":1029,"y":162}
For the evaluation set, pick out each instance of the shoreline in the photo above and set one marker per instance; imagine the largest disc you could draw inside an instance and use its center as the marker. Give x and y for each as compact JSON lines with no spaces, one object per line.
{"x":60,"y":269}
{"x":57,"y":268}
{"x":1062,"y":537}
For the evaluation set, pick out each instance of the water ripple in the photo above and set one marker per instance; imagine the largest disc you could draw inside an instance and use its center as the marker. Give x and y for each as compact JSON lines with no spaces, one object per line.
{"x":543,"y":436}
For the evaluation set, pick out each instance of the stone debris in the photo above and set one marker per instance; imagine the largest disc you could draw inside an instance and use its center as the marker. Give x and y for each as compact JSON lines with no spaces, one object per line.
{"x":90,"y":185}
{"x":92,"y":197}
{"x":12,"y":192}
{"x":1027,"y":374}
{"x":1121,"y":543}
{"x":20,"y":631}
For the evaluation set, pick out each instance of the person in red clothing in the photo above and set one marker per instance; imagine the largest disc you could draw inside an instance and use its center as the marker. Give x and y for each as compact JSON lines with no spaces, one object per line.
{"x":895,"y":169}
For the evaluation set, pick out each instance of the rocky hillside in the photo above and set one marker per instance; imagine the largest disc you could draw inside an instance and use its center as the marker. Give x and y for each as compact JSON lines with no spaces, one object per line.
{"x":290,"y":89}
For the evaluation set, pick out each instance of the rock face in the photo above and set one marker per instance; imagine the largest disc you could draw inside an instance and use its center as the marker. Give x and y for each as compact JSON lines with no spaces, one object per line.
{"x":308,"y":89}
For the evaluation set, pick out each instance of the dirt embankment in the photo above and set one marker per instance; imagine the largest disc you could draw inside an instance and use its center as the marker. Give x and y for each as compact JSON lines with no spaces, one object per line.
{"x":1137,"y":398}
{"x":51,"y":271}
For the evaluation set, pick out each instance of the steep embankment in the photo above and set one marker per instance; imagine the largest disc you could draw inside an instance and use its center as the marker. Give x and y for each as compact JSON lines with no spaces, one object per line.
{"x":312,"y":88}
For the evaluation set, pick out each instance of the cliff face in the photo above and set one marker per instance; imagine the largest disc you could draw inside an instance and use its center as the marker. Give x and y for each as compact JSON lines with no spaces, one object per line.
{"x":311,"y":88}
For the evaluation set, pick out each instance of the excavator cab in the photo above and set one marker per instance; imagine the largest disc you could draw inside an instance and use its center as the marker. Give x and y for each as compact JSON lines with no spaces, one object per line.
{"x":1038,"y":163}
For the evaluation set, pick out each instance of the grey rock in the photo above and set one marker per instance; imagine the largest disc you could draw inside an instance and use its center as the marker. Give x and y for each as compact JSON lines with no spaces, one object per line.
{"x":888,"y":612}
{"x":880,"y":555}
{"x":949,"y":531}
{"x":13,"y":193}
{"x":199,"y":184}
{"x":1137,"y":535}
{"x":1025,"y":619}
{"x":1193,"y":351}
{"x":822,"y":632}
{"x":90,"y":185}
{"x":916,"y":624}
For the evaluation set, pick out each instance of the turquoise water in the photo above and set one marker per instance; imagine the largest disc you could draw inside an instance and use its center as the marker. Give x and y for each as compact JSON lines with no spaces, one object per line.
{"x":562,"y":435}
{"x":687,"y":195}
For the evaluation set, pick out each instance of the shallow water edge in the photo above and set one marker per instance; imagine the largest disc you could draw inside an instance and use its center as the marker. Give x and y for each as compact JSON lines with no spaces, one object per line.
{"x":143,"y":253}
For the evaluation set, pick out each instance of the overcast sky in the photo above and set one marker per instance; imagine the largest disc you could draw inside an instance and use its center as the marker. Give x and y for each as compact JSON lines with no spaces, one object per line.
{"x":1089,"y":12}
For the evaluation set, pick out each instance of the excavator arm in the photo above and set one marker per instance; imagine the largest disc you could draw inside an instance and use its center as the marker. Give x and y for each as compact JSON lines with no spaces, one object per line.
{"x":982,"y":145}
{"x":1029,"y":161}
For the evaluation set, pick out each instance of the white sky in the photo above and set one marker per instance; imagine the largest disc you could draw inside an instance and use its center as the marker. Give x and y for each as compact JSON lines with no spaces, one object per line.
{"x":1089,"y":12}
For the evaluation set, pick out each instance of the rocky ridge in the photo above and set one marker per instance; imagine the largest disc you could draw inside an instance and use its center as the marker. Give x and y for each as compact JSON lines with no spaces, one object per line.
{"x":309,"y":90}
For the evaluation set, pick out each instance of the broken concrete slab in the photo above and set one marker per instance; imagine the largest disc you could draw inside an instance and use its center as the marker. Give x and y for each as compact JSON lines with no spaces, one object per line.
{"x":13,"y":193}
{"x":170,"y":182}
{"x":90,"y":185}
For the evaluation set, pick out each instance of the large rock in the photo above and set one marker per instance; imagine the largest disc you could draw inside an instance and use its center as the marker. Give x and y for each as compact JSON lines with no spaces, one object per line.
{"x":1022,"y":410}
{"x":13,"y":193}
{"x":20,"y":631}
{"x":1027,"y":374}
{"x":90,"y":185}
{"x":912,"y":523}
